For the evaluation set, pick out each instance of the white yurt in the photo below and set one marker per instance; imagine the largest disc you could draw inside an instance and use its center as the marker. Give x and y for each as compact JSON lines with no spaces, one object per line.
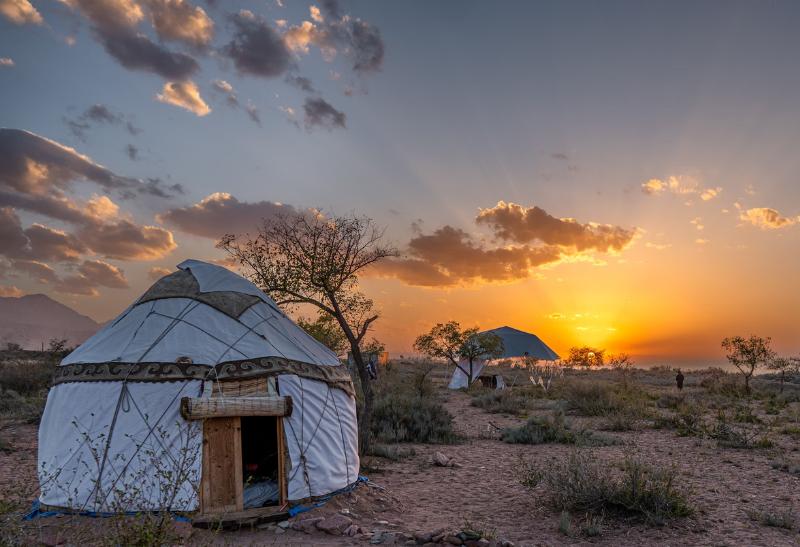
{"x":201,"y":396}
{"x":516,"y":344}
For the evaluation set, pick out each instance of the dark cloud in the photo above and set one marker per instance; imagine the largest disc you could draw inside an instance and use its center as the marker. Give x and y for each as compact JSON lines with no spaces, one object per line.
{"x":34,"y":165}
{"x":222,"y":213}
{"x":331,"y":9}
{"x":559,"y":156}
{"x":98,"y":114}
{"x":136,"y":51}
{"x":519,"y":224}
{"x":126,"y":240}
{"x":256,"y":48}
{"x":41,"y":272}
{"x":90,"y":275}
{"x":132,"y":152}
{"x":103,"y":274}
{"x":37,"y":242}
{"x":301,"y":82}
{"x":319,"y":113}
{"x":367,"y":44}
{"x":450,"y":256}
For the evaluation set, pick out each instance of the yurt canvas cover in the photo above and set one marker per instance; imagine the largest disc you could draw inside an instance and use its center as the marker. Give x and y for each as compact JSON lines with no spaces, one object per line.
{"x":516,"y":343}
{"x":112,"y":421}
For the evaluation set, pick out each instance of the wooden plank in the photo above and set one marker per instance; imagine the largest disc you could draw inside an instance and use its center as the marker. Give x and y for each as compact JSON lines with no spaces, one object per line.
{"x":222,"y":484}
{"x":201,"y":408}
{"x":241,"y":387}
{"x":282,"y":460}
{"x":240,"y":519}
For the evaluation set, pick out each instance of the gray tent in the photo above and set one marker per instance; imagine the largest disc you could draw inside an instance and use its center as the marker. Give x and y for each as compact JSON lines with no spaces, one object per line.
{"x":517,"y":343}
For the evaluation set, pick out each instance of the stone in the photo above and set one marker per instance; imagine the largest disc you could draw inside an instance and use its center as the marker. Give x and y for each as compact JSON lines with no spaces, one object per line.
{"x":280,"y":531}
{"x":423,"y":537}
{"x":334,"y":524}
{"x":284,"y":524}
{"x":453,"y":540}
{"x":307,"y":525}
{"x":440,"y":459}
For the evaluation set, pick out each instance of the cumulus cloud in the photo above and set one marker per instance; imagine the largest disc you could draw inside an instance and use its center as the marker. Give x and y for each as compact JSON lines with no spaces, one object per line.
{"x":180,"y":21}
{"x":256,"y":48}
{"x":530,"y":238}
{"x":320,"y":113}
{"x":681,"y":186}
{"x":20,"y":12}
{"x":6,"y":61}
{"x":222,"y":213}
{"x":519,"y":224}
{"x":227,"y":90}
{"x":449,"y":256}
{"x":37,"y":242}
{"x":34,"y":165}
{"x":90,"y":275}
{"x":126,"y":240}
{"x":39,"y":271}
{"x":767,"y":218}
{"x":115,"y":23}
{"x":98,"y":114}
{"x":184,"y":95}
{"x":158,"y":272}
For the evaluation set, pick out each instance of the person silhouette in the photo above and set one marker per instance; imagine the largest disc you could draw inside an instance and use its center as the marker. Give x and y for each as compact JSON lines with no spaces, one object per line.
{"x":679,"y":380}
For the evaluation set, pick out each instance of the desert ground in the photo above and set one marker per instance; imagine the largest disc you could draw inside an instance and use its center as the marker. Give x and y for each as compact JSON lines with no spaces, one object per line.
{"x":732,"y":461}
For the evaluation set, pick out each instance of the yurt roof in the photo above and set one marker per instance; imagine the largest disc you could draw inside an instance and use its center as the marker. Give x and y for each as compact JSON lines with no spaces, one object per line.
{"x":517,"y":343}
{"x":202,"y":314}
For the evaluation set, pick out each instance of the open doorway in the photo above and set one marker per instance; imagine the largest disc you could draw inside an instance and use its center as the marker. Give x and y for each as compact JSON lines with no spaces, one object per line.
{"x":260,"y":461}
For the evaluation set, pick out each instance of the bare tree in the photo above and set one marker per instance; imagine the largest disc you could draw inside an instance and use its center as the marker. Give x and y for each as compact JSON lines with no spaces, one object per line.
{"x":622,"y":363}
{"x":315,"y":259}
{"x":783,"y":365}
{"x":748,"y":354}
{"x":447,"y":341}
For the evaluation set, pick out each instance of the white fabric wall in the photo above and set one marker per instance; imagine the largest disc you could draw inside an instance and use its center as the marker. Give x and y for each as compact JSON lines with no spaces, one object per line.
{"x":75,"y":427}
{"x":328,"y":441}
{"x":461,"y":380}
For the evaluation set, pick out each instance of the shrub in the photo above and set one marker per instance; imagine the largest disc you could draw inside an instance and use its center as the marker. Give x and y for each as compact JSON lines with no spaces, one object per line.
{"x":392,"y":452}
{"x":402,"y":417}
{"x":26,"y":377}
{"x":542,"y":430}
{"x":783,"y":519}
{"x":504,"y":401}
{"x":600,"y":399}
{"x":729,"y":435}
{"x":642,"y":491}
{"x":687,"y":420}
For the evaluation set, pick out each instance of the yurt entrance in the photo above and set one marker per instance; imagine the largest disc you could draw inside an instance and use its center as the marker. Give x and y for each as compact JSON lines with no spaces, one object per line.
{"x":244,"y":456}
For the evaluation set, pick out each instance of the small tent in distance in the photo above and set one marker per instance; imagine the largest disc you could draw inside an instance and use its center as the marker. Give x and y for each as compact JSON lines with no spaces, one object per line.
{"x":516,"y":344}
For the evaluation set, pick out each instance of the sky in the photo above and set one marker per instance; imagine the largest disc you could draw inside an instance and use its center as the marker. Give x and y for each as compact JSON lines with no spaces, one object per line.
{"x":618,"y":174}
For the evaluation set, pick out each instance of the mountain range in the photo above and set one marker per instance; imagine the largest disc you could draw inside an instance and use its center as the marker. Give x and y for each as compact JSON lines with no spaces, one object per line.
{"x":34,"y":319}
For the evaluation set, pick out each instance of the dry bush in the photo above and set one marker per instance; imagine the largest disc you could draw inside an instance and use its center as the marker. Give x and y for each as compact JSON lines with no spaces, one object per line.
{"x":407,"y":409}
{"x":556,"y":429}
{"x":776,"y":519}
{"x":23,"y":388}
{"x":593,"y":398}
{"x":581,"y":483}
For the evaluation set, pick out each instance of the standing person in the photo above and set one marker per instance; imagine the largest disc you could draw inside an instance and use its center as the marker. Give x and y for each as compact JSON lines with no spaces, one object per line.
{"x":679,"y":380}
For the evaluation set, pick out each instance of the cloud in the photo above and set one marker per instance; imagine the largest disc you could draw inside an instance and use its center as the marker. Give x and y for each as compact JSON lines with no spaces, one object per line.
{"x":184,"y":95}
{"x":126,"y":240}
{"x":98,"y":114}
{"x":222,"y":213}
{"x":6,"y":61}
{"x":658,"y":246}
{"x":301,"y":82}
{"x":20,"y":12}
{"x":115,"y":23}
{"x":35,"y":165}
{"x":132,"y":152}
{"x":319,"y":113}
{"x":256,"y":48}
{"x":158,"y":272}
{"x":180,"y":21}
{"x":39,"y":271}
{"x":698,"y":223}
{"x":767,"y":218}
{"x":252,"y":113}
{"x":519,"y":224}
{"x":103,"y":274}
{"x":679,"y":185}
{"x":227,"y":90}
{"x":451,"y":257}
{"x":90,"y":275}
{"x":559,"y":156}
{"x":10,"y":291}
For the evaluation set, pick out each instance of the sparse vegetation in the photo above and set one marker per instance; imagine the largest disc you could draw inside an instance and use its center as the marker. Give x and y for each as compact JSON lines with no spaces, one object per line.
{"x":555,"y":429}
{"x":580,"y":483}
{"x":776,"y":519}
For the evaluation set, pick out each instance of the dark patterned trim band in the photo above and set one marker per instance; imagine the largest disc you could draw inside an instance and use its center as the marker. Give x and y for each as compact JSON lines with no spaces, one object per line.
{"x":334,"y":376}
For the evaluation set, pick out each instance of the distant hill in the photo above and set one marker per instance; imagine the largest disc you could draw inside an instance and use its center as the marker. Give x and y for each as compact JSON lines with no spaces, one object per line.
{"x":36,"y":318}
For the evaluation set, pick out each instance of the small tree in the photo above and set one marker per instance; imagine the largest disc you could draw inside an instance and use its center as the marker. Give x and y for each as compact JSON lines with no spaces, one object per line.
{"x":748,"y":354}
{"x":586,"y":357}
{"x":326,"y":330}
{"x":315,"y":259}
{"x":783,"y":365}
{"x":447,"y":341}
{"x":622,"y":363}
{"x":13,"y":346}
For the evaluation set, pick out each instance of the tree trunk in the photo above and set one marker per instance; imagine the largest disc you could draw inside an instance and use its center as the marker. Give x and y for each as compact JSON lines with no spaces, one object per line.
{"x":365,"y":414}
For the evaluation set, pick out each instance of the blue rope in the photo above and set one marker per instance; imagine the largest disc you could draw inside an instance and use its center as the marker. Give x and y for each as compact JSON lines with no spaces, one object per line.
{"x":37,"y":513}
{"x":297,"y":509}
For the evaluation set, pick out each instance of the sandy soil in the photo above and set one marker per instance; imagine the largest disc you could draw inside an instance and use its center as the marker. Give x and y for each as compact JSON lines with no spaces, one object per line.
{"x":414,"y":495}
